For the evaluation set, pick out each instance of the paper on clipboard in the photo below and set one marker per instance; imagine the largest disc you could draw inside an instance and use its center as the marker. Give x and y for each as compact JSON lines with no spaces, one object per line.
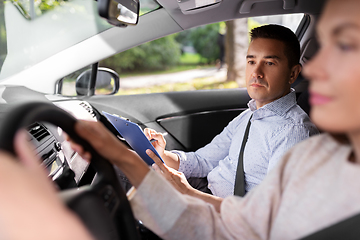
{"x":133,"y":135}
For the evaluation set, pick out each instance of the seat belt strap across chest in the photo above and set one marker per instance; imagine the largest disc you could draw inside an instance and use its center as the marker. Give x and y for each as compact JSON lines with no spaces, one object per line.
{"x":239,"y":189}
{"x":347,"y":229}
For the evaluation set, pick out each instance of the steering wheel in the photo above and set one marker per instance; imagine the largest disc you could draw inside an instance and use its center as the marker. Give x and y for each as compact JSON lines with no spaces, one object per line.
{"x":102,"y":206}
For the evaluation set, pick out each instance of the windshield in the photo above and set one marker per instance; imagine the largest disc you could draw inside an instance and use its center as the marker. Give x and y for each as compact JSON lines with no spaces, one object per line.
{"x":33,"y":30}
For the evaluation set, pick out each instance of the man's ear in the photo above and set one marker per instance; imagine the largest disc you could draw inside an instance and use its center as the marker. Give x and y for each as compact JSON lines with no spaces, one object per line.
{"x":295,"y":71}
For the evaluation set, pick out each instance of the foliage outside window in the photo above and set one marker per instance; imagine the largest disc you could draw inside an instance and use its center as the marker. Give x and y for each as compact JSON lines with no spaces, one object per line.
{"x":33,"y":8}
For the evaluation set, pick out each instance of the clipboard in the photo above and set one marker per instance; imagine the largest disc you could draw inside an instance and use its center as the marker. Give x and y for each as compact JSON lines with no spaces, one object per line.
{"x":134,"y":136}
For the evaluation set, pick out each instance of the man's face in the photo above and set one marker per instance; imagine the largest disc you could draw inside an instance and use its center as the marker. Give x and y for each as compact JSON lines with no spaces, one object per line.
{"x":268,"y":75}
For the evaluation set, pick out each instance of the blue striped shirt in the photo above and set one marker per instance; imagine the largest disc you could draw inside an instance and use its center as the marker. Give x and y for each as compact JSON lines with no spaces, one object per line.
{"x":275,"y":128}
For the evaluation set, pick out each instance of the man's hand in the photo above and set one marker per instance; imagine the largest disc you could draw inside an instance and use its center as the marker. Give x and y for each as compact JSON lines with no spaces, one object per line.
{"x":29,"y":205}
{"x":178,"y":180}
{"x":171,"y":159}
{"x":160,"y":142}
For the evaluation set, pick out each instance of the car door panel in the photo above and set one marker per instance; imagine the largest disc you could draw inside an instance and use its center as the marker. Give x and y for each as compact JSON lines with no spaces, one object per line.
{"x":196,"y":130}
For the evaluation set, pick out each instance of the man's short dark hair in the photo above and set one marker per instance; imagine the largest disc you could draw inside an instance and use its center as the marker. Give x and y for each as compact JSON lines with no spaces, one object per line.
{"x":283,"y":34}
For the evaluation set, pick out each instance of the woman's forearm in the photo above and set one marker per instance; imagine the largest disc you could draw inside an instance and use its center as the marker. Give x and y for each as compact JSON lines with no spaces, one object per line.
{"x":132,"y":166}
{"x":213,"y":200}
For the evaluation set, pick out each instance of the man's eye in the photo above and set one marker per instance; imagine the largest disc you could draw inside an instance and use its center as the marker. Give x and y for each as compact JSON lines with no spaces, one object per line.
{"x":251,"y":62}
{"x":270,"y":63}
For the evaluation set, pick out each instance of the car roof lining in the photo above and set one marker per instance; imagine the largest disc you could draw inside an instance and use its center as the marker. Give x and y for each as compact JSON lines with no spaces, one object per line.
{"x":229,"y":9}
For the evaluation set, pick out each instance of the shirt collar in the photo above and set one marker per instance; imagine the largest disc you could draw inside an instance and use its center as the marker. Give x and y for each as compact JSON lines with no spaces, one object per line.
{"x":277,"y":107}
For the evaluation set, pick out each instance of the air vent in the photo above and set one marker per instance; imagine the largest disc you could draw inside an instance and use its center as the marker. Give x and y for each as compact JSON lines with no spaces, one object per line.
{"x":88,"y":108}
{"x":38,"y":131}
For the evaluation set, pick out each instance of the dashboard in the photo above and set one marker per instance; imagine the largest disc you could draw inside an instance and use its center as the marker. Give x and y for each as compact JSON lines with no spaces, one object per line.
{"x":66,"y":168}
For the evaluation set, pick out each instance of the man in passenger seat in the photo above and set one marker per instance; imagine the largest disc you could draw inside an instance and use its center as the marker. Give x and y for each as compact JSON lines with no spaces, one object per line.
{"x":277,"y":122}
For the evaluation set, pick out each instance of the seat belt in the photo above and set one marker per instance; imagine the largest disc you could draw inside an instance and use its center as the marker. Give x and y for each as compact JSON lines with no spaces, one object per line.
{"x":347,"y":229}
{"x":239,"y":189}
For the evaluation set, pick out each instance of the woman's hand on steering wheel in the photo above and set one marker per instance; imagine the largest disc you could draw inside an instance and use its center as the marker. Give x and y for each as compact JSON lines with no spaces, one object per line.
{"x":109,"y":147}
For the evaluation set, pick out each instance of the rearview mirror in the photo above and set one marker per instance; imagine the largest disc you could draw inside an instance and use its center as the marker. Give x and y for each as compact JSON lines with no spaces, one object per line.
{"x":120,"y":13}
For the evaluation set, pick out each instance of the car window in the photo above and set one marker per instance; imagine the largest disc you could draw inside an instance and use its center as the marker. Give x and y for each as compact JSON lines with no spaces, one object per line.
{"x":190,"y":60}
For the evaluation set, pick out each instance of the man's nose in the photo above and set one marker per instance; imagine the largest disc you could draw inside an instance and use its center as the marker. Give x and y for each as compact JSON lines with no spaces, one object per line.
{"x":258,"y":73}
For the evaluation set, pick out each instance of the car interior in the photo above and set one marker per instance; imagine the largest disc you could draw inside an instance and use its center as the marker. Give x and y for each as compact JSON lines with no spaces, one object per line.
{"x":30,"y":96}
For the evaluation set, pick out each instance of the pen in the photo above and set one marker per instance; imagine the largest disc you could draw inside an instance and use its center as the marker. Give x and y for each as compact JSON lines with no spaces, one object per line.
{"x":163,"y":134}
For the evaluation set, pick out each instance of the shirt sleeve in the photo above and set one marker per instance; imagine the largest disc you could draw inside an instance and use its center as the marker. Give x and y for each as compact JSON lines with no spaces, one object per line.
{"x":172,"y":215}
{"x":205,"y":159}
